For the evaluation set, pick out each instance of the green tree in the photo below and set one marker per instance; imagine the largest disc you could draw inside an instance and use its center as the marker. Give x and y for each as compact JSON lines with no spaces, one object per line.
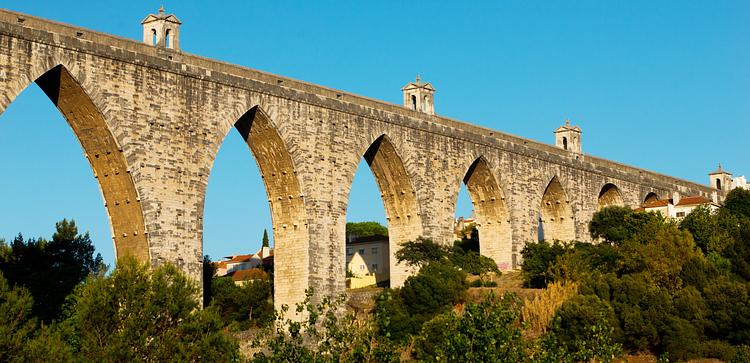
{"x":435,"y":288}
{"x":365,"y":229}
{"x":484,"y":332}
{"x":538,"y":258}
{"x":51,"y":269}
{"x":143,"y":314}
{"x":616,"y":224}
{"x":17,"y":324}
{"x":738,"y":202}
{"x":247,"y":305}
{"x":265,"y":238}
{"x":421,"y":252}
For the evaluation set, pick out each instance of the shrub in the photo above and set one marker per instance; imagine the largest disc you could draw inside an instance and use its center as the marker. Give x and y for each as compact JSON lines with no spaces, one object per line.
{"x":472,"y":262}
{"x":485,"y":332}
{"x":584,"y":324}
{"x":143,"y":314}
{"x":323,"y":335}
{"x":392,"y":319}
{"x":248,"y":305}
{"x":435,"y":288}
{"x":537,"y":259}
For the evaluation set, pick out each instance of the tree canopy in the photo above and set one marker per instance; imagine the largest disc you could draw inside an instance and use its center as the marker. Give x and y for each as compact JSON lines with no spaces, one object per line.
{"x":365,"y":229}
{"x":50,"y":269}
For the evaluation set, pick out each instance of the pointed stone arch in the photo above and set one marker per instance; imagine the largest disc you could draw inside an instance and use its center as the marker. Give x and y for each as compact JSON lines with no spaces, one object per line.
{"x":286,"y":202}
{"x":650,"y":197}
{"x":493,"y":217}
{"x":399,"y":200}
{"x":610,"y":195}
{"x":556,"y":216}
{"x":105,"y":156}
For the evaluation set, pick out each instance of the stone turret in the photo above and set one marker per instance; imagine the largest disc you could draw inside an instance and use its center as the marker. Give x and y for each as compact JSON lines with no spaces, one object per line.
{"x":720,"y":179}
{"x":162,"y":30}
{"x":568,"y":137}
{"x":419,"y":96}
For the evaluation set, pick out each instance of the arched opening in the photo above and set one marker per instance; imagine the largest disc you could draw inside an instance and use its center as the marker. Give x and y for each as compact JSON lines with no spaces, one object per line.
{"x":565,"y":143}
{"x":399,"y":201}
{"x":718,"y":184}
{"x":610,"y":196}
{"x":290,"y":257}
{"x":127,"y":228}
{"x":168,"y":39}
{"x":650,"y":198}
{"x":492,"y":216}
{"x":556,"y":213}
{"x":153,"y":37}
{"x":367,"y":246}
{"x":414,"y":102}
{"x":426,"y":103}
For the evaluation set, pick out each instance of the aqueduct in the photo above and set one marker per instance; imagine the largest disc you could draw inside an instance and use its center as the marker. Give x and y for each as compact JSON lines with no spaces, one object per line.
{"x":151,"y":119}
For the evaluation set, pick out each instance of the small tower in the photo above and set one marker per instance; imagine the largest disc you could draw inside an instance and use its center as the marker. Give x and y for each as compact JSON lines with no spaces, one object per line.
{"x":720,"y":179}
{"x":419,"y":96}
{"x":568,"y":137}
{"x":162,"y":30}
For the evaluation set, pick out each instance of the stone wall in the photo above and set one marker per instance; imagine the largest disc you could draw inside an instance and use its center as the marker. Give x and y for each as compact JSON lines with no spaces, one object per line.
{"x":157,"y":117}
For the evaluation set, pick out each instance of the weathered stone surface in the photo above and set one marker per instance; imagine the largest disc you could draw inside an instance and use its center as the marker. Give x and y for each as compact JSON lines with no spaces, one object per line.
{"x":156,"y":118}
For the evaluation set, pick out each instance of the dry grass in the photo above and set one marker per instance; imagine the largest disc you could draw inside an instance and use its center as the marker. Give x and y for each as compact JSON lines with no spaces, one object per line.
{"x":538,"y":311}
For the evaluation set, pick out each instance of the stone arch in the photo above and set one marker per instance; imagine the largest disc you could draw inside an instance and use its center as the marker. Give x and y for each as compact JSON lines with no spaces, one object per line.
{"x":650,"y":197}
{"x":495,"y":234}
{"x":556,"y":217}
{"x":288,"y":213}
{"x":105,"y":156}
{"x":610,"y":195}
{"x":399,"y":200}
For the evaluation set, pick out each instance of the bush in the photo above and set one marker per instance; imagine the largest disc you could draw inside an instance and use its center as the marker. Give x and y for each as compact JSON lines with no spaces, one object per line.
{"x":485,"y":332}
{"x":538,"y":257}
{"x":143,"y":314}
{"x":584,"y":325}
{"x":435,"y":288}
{"x":248,"y":305}
{"x":323,"y":335}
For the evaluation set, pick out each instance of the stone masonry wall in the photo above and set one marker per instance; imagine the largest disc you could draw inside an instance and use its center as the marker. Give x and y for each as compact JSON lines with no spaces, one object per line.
{"x":168,"y":112}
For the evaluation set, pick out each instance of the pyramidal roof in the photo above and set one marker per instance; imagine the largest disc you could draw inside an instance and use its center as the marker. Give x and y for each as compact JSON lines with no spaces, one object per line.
{"x":161,"y":16}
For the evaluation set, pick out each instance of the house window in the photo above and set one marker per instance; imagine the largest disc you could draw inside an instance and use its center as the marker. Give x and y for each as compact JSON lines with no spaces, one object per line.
{"x":680,"y":214}
{"x":374,"y":251}
{"x":349,"y":252}
{"x":374,"y":267}
{"x":362,"y":267}
{"x":362,"y":251}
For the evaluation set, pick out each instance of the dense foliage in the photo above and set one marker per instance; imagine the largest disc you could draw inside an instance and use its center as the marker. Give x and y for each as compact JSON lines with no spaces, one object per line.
{"x":50,"y":270}
{"x":679,"y":291}
{"x":365,"y":229}
{"x":243,"y":306}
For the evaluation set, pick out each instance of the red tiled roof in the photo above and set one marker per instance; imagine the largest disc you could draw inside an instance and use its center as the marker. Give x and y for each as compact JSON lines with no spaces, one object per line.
{"x":657,"y":203}
{"x":239,"y":258}
{"x":694,"y":200}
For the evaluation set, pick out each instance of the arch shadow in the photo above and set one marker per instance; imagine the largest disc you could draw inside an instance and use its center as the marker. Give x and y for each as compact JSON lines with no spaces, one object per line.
{"x":105,"y":156}
{"x":610,"y":195}
{"x":488,"y":199}
{"x":399,"y":200}
{"x":556,"y":214}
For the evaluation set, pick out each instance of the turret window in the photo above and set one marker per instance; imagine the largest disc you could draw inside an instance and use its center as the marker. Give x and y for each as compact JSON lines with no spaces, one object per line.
{"x":414,"y":102}
{"x":565,"y":143}
{"x":168,"y":39}
{"x":718,"y":184}
{"x":153,"y":36}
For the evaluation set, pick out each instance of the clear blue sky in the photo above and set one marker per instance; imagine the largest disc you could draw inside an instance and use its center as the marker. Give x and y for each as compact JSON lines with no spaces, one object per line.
{"x":659,"y":85}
